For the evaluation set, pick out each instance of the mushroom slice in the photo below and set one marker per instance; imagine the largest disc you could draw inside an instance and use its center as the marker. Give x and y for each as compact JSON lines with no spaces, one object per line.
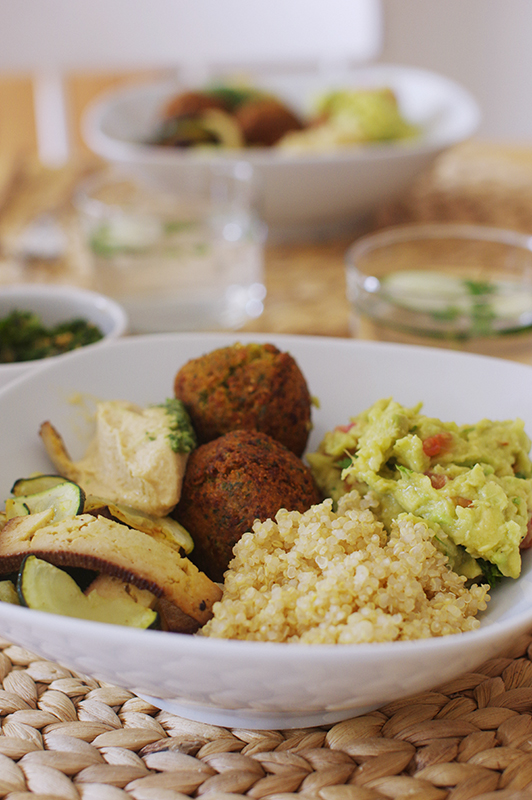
{"x":107,"y":546}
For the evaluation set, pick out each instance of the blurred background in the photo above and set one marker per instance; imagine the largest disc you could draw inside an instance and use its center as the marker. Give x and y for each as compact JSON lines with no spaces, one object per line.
{"x":56,"y":55}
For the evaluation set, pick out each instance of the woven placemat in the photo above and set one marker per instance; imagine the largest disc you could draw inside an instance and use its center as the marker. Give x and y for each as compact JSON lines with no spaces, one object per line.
{"x":68,"y":736}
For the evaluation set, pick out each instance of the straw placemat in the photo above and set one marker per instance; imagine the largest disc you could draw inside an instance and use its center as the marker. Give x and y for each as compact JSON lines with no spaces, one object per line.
{"x":67,"y":736}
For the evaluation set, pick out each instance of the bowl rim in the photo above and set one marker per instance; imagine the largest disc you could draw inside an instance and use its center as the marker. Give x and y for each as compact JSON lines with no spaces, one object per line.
{"x":434,"y":230}
{"x":122,"y":150}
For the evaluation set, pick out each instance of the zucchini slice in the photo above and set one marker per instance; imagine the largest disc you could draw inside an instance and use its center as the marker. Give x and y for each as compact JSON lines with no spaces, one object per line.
{"x":44,"y":587}
{"x":35,"y":484}
{"x":67,"y":499}
{"x":103,"y":545}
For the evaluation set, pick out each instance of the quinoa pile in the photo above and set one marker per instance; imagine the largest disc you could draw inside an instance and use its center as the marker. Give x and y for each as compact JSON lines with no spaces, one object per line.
{"x":326,"y":577}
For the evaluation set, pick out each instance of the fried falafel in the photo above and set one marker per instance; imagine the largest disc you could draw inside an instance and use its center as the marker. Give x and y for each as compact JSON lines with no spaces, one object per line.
{"x":252,"y":387}
{"x":265,"y":120}
{"x":232,"y":481}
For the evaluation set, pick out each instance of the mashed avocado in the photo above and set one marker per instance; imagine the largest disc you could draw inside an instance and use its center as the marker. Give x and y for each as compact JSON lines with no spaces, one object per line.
{"x":346,"y":117}
{"x":471,"y":483}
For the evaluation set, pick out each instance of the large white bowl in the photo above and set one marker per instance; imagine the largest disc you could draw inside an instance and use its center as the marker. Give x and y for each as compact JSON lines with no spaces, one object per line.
{"x":253,"y":684}
{"x":56,"y":304}
{"x":303,"y":195}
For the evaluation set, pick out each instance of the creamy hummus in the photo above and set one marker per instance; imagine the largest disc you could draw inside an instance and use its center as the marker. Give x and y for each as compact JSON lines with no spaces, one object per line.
{"x":130,"y":460}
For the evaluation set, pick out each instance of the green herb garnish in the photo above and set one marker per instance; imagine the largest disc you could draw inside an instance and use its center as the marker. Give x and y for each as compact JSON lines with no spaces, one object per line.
{"x":23,"y":337}
{"x":490,"y":572}
{"x":479,"y":287}
{"x":405,"y":472}
{"x":344,"y":463}
{"x":182,"y":435}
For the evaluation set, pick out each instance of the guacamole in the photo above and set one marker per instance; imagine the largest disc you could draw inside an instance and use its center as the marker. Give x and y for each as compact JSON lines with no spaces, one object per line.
{"x":472,"y":484}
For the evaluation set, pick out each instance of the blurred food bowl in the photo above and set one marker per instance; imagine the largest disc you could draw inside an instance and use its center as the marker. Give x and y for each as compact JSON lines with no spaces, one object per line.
{"x":310,"y":190}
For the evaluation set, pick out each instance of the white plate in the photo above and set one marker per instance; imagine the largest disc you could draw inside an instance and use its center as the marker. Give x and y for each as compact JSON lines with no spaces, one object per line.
{"x":303,"y":196}
{"x":253,"y":684}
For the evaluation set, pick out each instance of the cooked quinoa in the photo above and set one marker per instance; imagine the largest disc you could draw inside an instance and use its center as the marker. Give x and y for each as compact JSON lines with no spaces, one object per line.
{"x":337,"y":577}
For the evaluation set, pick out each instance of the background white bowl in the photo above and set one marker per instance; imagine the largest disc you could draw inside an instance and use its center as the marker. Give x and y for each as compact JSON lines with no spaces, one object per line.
{"x":302,"y":195}
{"x":256,"y":684}
{"x":55,"y":304}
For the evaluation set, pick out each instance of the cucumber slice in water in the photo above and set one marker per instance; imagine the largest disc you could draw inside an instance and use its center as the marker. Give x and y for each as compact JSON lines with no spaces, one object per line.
{"x":425,"y":291}
{"x":437,"y":293}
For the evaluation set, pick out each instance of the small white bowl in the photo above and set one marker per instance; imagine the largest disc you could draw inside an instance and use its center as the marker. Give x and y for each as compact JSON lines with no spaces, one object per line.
{"x":304,"y":196}
{"x":55,"y":304}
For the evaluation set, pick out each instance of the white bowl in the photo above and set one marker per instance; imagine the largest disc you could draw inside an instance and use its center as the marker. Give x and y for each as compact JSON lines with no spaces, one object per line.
{"x":303,"y":195}
{"x":254,"y":684}
{"x":55,"y":304}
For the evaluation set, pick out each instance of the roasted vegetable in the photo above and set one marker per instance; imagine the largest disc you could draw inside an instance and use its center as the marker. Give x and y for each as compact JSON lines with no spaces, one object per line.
{"x":166,"y":529}
{"x":65,"y":498}
{"x":35,"y":483}
{"x":107,"y":546}
{"x":8,"y":593}
{"x":44,"y":587}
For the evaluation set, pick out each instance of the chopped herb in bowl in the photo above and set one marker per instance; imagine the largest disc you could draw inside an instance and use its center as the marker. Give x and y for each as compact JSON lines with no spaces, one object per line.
{"x":23,"y":337}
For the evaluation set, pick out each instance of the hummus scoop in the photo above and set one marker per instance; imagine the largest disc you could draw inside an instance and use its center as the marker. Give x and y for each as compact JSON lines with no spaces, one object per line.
{"x":132,"y":458}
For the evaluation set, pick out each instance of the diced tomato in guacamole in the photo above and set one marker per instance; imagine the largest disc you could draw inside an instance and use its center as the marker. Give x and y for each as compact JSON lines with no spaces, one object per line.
{"x":471,"y":483}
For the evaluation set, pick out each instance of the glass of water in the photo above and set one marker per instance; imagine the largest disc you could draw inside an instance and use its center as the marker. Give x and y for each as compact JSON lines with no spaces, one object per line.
{"x":190,"y":259}
{"x":463,"y":287}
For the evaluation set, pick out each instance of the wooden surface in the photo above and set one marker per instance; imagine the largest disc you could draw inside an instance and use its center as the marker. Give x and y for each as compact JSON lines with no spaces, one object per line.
{"x":477,"y":182}
{"x":18,"y":137}
{"x":482,"y":182}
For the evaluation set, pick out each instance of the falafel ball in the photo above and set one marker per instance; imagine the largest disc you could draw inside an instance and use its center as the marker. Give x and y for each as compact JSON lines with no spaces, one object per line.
{"x":265,"y":120}
{"x":253,"y":386}
{"x":232,"y":481}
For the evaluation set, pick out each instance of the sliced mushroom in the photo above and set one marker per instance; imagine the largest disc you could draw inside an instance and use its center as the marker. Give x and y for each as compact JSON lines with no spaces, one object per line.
{"x":111,"y":548}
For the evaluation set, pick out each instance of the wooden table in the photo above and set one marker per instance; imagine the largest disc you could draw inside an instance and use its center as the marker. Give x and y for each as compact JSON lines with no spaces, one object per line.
{"x":479,"y":182}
